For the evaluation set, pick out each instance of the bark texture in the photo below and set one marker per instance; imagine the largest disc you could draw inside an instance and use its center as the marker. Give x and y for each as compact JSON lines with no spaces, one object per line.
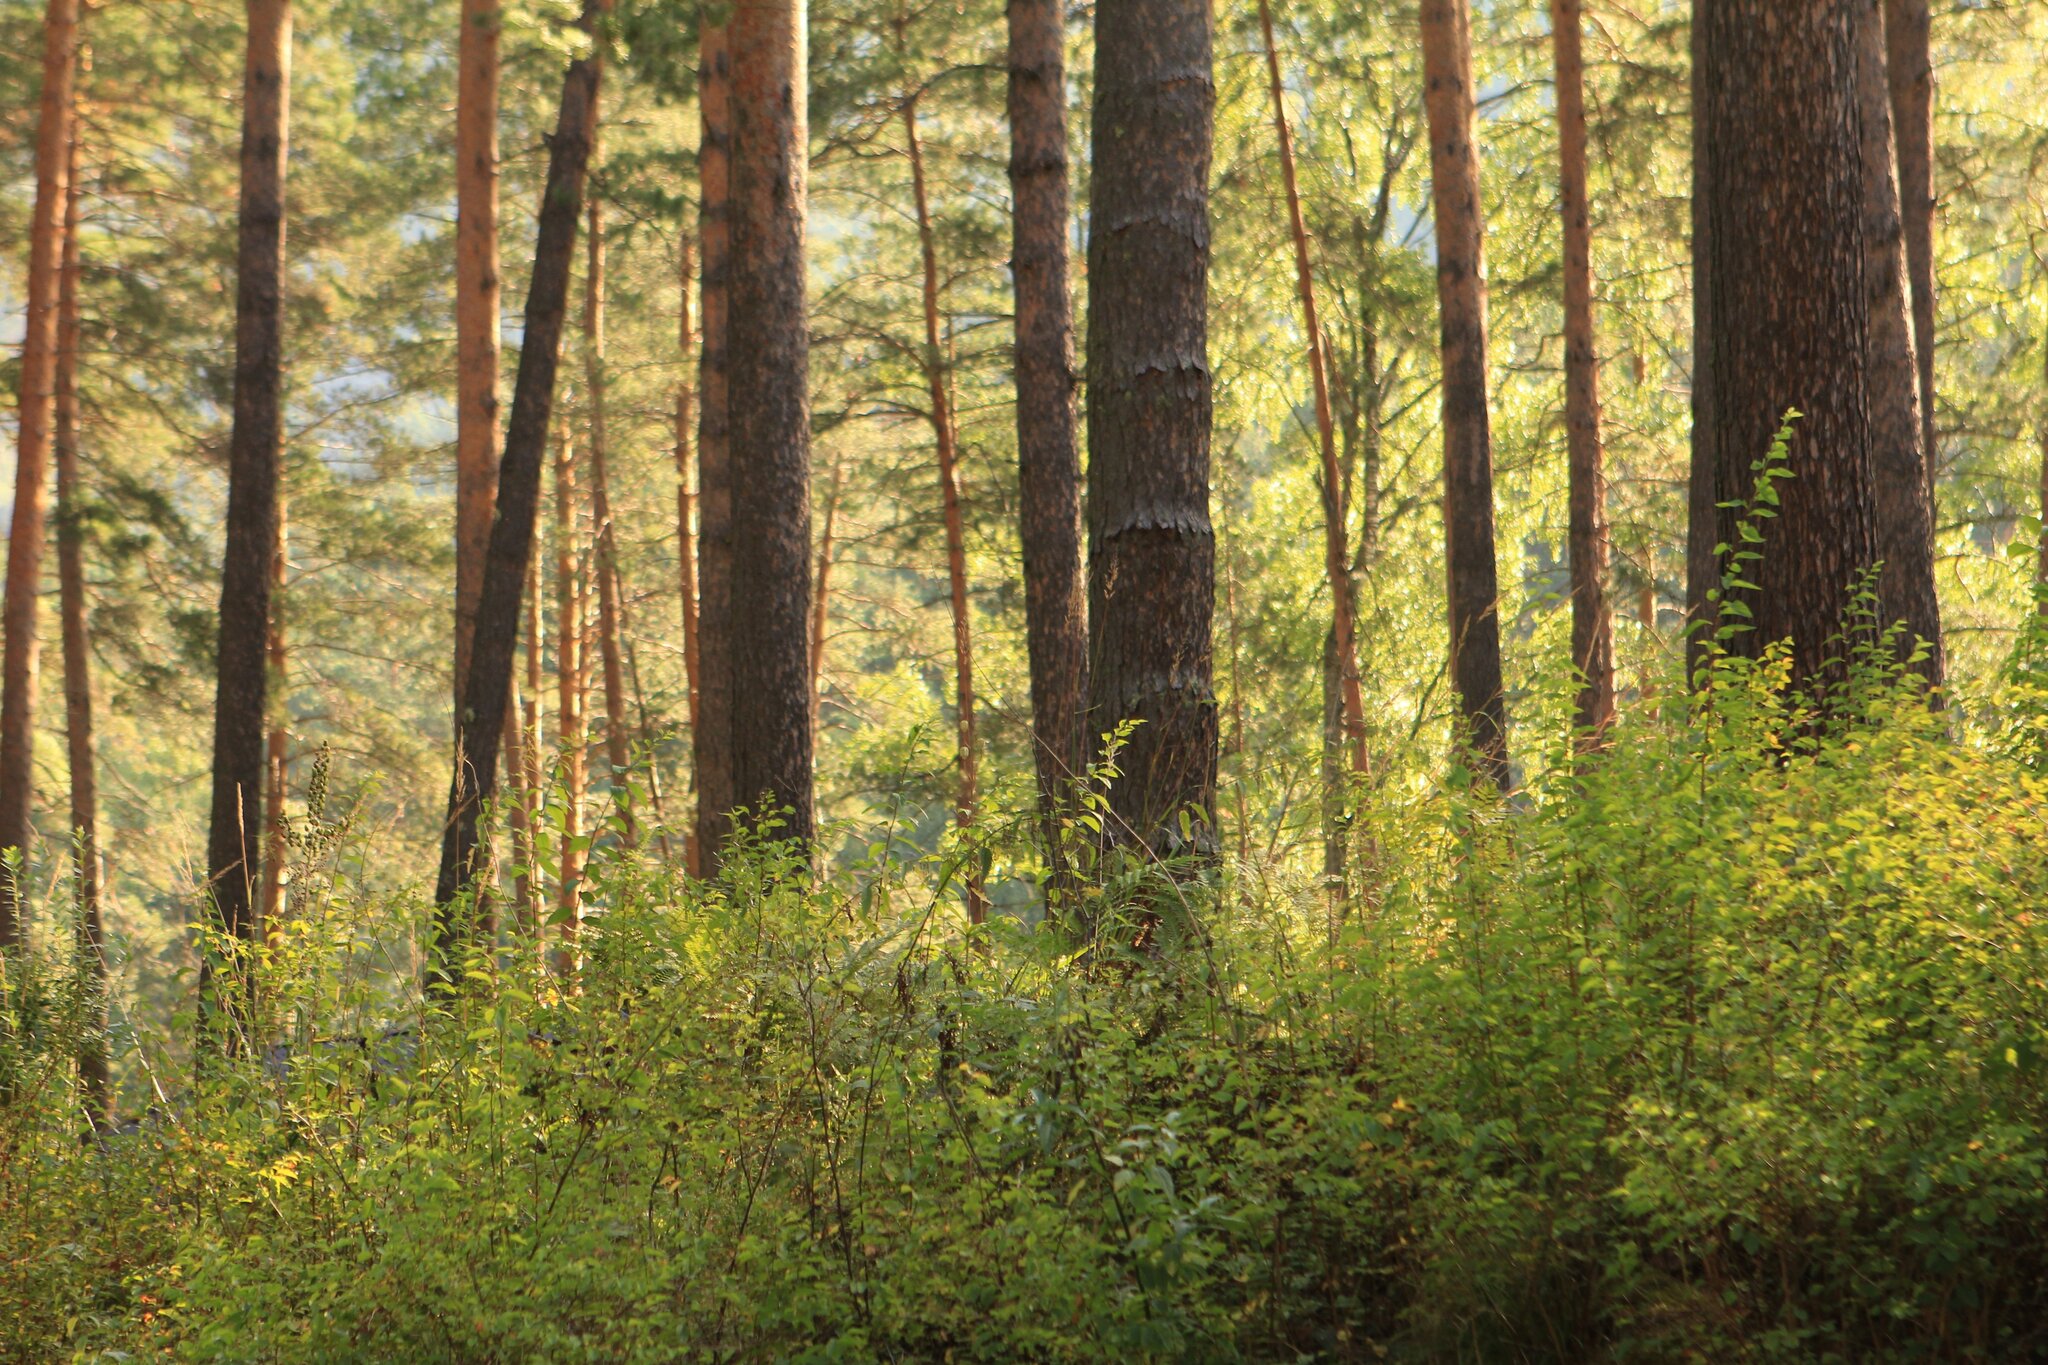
{"x":1474,"y":591}
{"x":476,"y":315}
{"x":255,"y":455}
{"x":37,"y":404}
{"x":1152,"y":550}
{"x":1910,"y":74}
{"x":1592,"y":620}
{"x":711,"y":724}
{"x":519,"y":476}
{"x":1785,"y":316}
{"x":768,"y":340}
{"x":1048,"y":451}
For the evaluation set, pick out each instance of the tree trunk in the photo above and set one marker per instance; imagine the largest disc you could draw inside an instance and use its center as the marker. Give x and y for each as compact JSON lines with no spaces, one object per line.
{"x":1910,"y":72}
{"x":768,"y":338}
{"x":1468,"y":439}
{"x":1592,"y":624}
{"x":570,"y":695}
{"x":1152,"y":551}
{"x":1781,"y":182}
{"x":277,"y":744}
{"x":1336,"y":556}
{"x":944,"y":439}
{"x":32,"y":452}
{"x":686,"y":510}
{"x":255,"y":454}
{"x":821,"y":599}
{"x":711,"y":722}
{"x":476,"y":316}
{"x":1702,"y":565}
{"x":532,"y":893}
{"x":1905,"y":521}
{"x":92,"y":944}
{"x":1048,"y":454}
{"x":618,"y":741}
{"x":519,"y":474}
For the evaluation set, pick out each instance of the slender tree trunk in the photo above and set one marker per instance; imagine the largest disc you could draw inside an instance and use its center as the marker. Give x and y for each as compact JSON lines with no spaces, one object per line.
{"x":1048,"y":452}
{"x":277,"y":744}
{"x":255,"y":455}
{"x":518,"y":815}
{"x":18,"y":657}
{"x":570,"y":733}
{"x":2041,"y":440}
{"x":532,"y":893}
{"x":1910,"y":72}
{"x":686,"y":510}
{"x":944,"y":439}
{"x":519,"y":475}
{"x":768,"y":407}
{"x":1468,"y":437}
{"x":1336,"y":556}
{"x":1781,"y":181}
{"x":821,"y":600}
{"x":1702,"y":566}
{"x":618,"y":738}
{"x":476,"y":316}
{"x":1152,"y":560}
{"x":1592,"y":622}
{"x":1905,"y":520}
{"x":711,"y":722}
{"x":92,"y":944}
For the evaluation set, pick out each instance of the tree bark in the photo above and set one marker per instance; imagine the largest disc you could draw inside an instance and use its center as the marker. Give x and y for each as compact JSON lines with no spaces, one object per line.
{"x":711,"y":722}
{"x":1474,"y":590}
{"x":1152,"y":550}
{"x":618,"y":736}
{"x":1910,"y":74}
{"x":92,"y":944}
{"x":769,"y":411}
{"x":255,"y":454}
{"x":686,"y":510}
{"x":1780,"y":179}
{"x":18,"y":656}
{"x":476,"y":315}
{"x":1048,"y":453}
{"x":519,"y":474}
{"x":1592,"y":622}
{"x":1905,"y":520}
{"x":570,"y":697}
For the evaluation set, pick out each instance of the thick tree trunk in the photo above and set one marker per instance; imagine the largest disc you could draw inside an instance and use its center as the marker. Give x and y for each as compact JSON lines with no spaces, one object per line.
{"x":1592,"y":624}
{"x":1048,"y":453}
{"x":768,"y":339}
{"x":255,"y":455}
{"x":821,"y":597}
{"x":1781,"y":181}
{"x":686,"y":509}
{"x":618,"y":735}
{"x":711,"y":722}
{"x":519,"y":476}
{"x":1905,"y":520}
{"x":570,"y":695}
{"x":92,"y":944}
{"x":476,"y":316}
{"x":1468,"y":438}
{"x":1152,"y":551}
{"x":277,"y":743}
{"x":1910,"y":73}
{"x":18,"y":656}
{"x":937,"y":380}
{"x":1336,"y":556}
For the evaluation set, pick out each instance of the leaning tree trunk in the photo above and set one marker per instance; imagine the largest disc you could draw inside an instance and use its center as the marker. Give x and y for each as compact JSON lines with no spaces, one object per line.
{"x":1905,"y":520}
{"x":768,"y":341}
{"x":1592,"y":623}
{"x":1910,"y":74}
{"x":476,"y":315}
{"x":92,"y":943}
{"x":255,"y":453}
{"x":32,"y":452}
{"x":1785,"y":317}
{"x":519,"y":475}
{"x":1152,"y":550}
{"x":618,"y":740}
{"x":1048,"y":455}
{"x":711,"y":722}
{"x":1468,"y":438}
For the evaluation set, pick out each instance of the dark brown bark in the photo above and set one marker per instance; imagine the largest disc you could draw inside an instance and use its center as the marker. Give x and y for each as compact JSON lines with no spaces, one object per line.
{"x":1910,"y":75}
{"x":1905,"y":521}
{"x":618,"y":732}
{"x":1780,"y":179}
{"x":1592,"y":622}
{"x":519,"y":475}
{"x":768,"y":341}
{"x":1474,"y":591}
{"x":686,"y":507}
{"x":255,"y":456}
{"x":711,"y":723}
{"x":1152,"y":550}
{"x":476,"y":315}
{"x":1048,"y":452}
{"x":37,"y":400}
{"x":92,"y":943}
